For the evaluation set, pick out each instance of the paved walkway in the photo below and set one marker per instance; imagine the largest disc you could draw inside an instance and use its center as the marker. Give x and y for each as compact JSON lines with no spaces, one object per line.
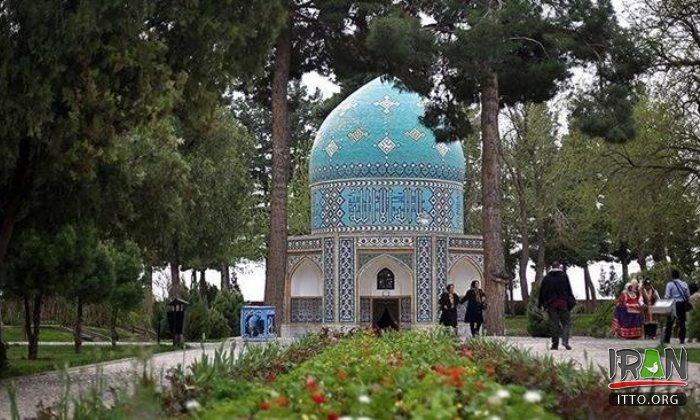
{"x":588,"y":351}
{"x":47,"y":387}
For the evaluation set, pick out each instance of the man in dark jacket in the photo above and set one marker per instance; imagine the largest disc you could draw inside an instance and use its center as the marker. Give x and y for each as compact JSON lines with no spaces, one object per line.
{"x":557,"y":298}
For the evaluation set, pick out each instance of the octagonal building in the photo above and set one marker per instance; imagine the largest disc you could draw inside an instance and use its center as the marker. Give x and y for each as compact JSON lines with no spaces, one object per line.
{"x":387,"y":230}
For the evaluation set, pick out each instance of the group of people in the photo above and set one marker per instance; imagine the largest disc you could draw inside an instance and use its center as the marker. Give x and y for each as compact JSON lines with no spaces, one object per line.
{"x":475,"y":298}
{"x":633,"y":317}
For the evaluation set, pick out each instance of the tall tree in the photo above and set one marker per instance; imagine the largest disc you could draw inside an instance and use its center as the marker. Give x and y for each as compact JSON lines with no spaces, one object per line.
{"x":530,"y":152}
{"x":321,"y":35}
{"x":128,"y":290}
{"x":87,"y":272}
{"x":499,"y":53}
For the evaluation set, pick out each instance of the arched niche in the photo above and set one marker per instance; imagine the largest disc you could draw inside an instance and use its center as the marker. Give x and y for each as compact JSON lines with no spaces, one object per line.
{"x":367,"y":277}
{"x":307,"y":279}
{"x":462,"y":273}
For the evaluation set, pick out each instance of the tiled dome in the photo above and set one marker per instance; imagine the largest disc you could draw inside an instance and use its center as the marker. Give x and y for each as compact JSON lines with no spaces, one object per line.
{"x":376,"y":133}
{"x":375,"y":167}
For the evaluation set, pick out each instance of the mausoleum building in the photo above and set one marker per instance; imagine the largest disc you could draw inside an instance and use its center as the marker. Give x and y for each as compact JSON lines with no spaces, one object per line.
{"x":387,"y":231}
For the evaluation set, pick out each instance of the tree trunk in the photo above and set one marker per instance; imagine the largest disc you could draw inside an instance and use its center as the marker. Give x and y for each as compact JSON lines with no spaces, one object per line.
{"x":175,"y":287}
{"x":225,"y":277}
{"x":524,"y":259}
{"x":148,"y":298}
{"x":539,"y":266}
{"x":78,"y":332}
{"x":203,"y":284}
{"x":590,"y":289}
{"x":625,"y":269}
{"x":642,"y":261}
{"x":113,"y":326}
{"x":275,"y":271}
{"x":32,"y":321}
{"x":20,"y":186}
{"x":494,"y":261}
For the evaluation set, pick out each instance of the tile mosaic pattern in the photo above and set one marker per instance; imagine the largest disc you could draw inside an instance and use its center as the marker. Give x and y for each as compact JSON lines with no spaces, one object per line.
{"x":346,"y":280}
{"x":329,"y":280}
{"x":387,"y":205}
{"x":424,"y":279}
{"x":304,"y":243}
{"x":365,"y":309}
{"x":364,"y":258}
{"x":405,"y":305}
{"x":307,"y":309}
{"x":441,"y":259}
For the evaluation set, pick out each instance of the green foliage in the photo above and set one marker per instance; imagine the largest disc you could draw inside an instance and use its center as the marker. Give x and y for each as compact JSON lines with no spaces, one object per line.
{"x":229,"y":304}
{"x":196,"y":321}
{"x":87,"y":268}
{"x":694,"y":323}
{"x":127,"y":293}
{"x":217,"y":325}
{"x":537,"y":320}
{"x":600,"y":326}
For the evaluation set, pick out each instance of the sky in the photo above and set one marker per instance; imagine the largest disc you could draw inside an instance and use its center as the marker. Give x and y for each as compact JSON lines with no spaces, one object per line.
{"x":251,"y":275}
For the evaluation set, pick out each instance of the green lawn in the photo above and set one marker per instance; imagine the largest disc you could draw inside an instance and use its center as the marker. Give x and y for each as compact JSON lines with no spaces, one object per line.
{"x":59,"y":357}
{"x":517,"y":325}
{"x":124,"y":335}
{"x":16,"y":333}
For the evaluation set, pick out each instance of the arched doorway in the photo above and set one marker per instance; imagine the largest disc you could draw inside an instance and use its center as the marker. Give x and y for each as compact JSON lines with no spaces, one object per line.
{"x":385,"y":291}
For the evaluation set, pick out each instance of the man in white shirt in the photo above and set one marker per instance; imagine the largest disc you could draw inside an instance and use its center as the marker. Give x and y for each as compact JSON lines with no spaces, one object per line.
{"x":677,"y":290}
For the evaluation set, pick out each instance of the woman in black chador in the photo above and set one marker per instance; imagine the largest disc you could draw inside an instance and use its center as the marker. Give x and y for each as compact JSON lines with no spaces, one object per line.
{"x":476,"y":303}
{"x":448,"y":307}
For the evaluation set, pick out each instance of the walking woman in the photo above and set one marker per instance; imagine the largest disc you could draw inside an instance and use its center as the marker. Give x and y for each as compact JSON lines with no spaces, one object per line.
{"x":628,"y":320}
{"x":448,"y":307}
{"x":476,"y":303}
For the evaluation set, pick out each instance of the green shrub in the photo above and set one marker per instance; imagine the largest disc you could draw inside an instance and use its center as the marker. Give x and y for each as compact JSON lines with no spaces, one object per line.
{"x":602,"y":318}
{"x":196,"y":321}
{"x":229,"y":303}
{"x":694,"y":323}
{"x":217,"y":325}
{"x":537,"y":321}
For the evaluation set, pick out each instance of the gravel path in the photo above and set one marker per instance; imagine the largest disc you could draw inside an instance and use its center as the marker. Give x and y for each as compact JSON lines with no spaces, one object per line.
{"x":48,"y":387}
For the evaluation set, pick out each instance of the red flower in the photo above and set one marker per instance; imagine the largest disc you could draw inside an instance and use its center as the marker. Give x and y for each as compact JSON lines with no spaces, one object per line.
{"x":455,"y":372}
{"x":311,"y":384}
{"x":270,"y":377}
{"x":318,"y":398}
{"x":439,"y":369}
{"x":333,"y":416}
{"x":341,"y":374}
{"x":264,"y":405}
{"x":490,"y":370}
{"x":282,"y":401}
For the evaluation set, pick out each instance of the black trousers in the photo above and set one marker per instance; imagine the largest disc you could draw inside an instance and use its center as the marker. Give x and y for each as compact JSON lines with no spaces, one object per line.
{"x":561,"y":325}
{"x":681,"y":317}
{"x":475,"y":327}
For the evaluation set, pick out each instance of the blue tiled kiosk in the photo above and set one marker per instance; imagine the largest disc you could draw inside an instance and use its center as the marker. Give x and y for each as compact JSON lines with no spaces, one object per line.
{"x":258,"y":323}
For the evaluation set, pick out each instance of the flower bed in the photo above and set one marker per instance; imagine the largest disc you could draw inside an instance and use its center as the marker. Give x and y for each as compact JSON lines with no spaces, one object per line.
{"x":408,"y":374}
{"x":397,"y":375}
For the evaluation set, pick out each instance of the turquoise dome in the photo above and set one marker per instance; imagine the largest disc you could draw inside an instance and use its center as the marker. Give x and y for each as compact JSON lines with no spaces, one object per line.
{"x":375,"y":167}
{"x":376,"y":133}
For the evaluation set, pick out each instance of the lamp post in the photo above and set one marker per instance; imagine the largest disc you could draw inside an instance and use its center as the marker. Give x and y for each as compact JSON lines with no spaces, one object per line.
{"x":176,"y":319}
